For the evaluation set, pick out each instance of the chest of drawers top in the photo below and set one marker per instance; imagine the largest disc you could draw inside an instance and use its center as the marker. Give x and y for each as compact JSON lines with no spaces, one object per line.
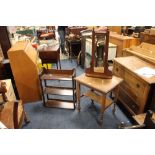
{"x":132,"y":64}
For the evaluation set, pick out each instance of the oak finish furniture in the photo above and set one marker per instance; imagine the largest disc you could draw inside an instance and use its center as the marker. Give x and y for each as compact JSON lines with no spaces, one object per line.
{"x":99,"y":88}
{"x":52,"y":93}
{"x":147,"y":38}
{"x":144,"y":51}
{"x":117,"y":29}
{"x":13,"y":115}
{"x":137,"y":92}
{"x":12,"y":112}
{"x":24,"y":64}
{"x":122,"y":42}
{"x":50,"y":54}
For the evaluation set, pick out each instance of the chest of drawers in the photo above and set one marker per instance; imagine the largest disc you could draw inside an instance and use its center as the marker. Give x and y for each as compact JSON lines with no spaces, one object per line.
{"x":137,"y":92}
{"x":122,"y":42}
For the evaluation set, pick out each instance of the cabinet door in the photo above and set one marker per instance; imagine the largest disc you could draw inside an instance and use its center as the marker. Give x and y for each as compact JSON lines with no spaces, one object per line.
{"x":4,"y":41}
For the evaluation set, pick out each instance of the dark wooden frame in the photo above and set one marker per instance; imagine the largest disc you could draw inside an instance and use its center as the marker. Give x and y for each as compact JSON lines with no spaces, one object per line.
{"x":105,"y":73}
{"x":49,"y":89}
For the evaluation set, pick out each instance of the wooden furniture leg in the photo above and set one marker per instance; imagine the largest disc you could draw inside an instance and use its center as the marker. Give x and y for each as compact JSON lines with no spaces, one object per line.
{"x":78,"y":95}
{"x":102,"y":110}
{"x":59,"y":60}
{"x":115,"y":99}
{"x":92,"y":101}
{"x":26,"y":119}
{"x":18,"y":123}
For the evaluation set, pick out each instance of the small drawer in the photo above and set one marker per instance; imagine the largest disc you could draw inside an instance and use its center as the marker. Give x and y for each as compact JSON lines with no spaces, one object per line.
{"x":129,"y":103}
{"x":134,"y":96}
{"x":118,"y":71}
{"x":135,"y":84}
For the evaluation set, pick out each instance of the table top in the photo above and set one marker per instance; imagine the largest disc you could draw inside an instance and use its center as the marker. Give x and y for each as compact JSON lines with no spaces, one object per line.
{"x":99,"y":84}
{"x":133,"y":64}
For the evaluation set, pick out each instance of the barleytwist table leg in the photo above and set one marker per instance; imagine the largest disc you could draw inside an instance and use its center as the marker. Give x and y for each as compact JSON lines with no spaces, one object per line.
{"x":102,"y":110}
{"x":78,"y":95}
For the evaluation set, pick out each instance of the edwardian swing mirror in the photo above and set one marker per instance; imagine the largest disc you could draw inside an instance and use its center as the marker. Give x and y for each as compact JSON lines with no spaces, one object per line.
{"x":99,"y":60}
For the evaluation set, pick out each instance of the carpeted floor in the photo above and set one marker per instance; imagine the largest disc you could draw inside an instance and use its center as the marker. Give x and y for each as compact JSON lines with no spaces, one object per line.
{"x":54,"y":118}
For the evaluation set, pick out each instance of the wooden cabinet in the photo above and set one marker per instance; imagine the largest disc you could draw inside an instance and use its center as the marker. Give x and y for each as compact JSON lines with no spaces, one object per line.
{"x":122,"y":42}
{"x":7,"y":114}
{"x":23,"y":60}
{"x":117,"y":29}
{"x":137,"y":92}
{"x":147,"y":38}
{"x":144,"y":51}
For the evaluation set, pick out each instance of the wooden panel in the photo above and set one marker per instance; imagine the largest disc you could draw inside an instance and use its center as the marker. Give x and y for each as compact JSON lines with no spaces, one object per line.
{"x":99,"y":84}
{"x":144,"y":51}
{"x":60,"y":104}
{"x":135,"y":89}
{"x":147,"y":38}
{"x":122,"y":42}
{"x":132,"y":64}
{"x":116,"y":29}
{"x":127,"y":101}
{"x":23,"y":60}
{"x":59,"y":91}
{"x":6,"y":115}
{"x":117,"y":70}
{"x":98,"y":98}
{"x":135,"y":84}
{"x":4,"y":40}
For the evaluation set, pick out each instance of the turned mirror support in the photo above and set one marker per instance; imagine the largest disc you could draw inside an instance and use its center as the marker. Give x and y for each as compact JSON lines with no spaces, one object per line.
{"x":100,"y":72}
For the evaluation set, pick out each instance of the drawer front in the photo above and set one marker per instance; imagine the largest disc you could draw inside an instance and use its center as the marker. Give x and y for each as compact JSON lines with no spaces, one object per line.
{"x":118,"y":71}
{"x":128,"y":102}
{"x":136,"y":85}
{"x":130,"y":92}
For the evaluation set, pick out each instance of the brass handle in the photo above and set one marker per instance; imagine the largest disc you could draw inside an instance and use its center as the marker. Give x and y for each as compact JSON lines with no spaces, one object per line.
{"x":138,"y":86}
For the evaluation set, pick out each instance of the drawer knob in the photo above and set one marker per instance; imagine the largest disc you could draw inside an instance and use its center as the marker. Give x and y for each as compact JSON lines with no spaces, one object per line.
{"x":133,"y":106}
{"x":138,"y":86}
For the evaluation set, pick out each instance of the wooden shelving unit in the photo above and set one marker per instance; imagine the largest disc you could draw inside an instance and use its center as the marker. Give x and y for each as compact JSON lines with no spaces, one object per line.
{"x":50,"y":76}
